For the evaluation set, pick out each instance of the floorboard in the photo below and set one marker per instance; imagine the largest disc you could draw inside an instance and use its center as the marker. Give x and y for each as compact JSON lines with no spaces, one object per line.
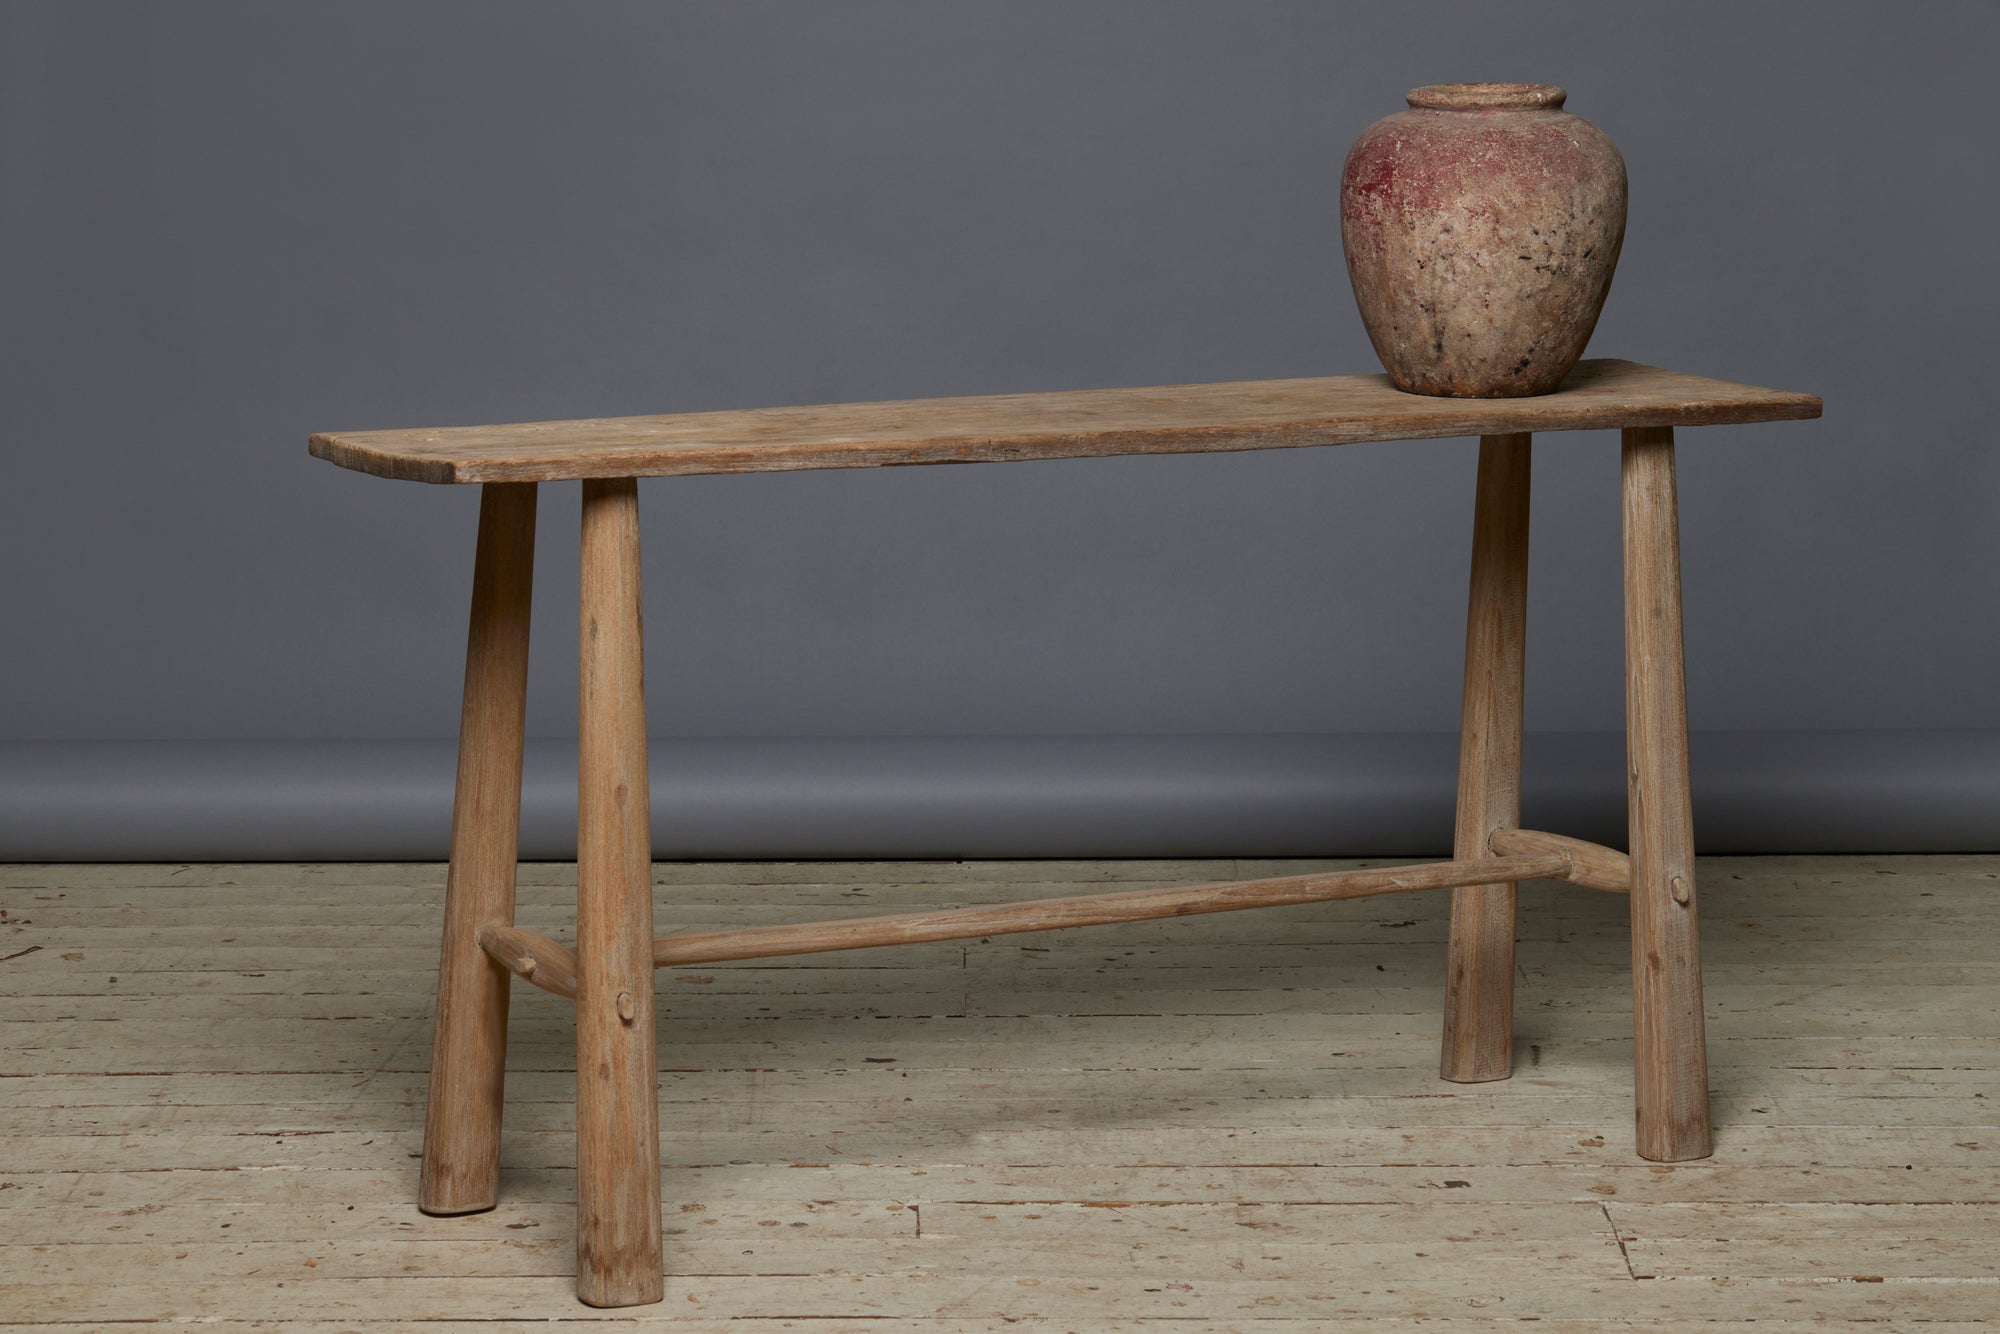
{"x":212,"y":1081}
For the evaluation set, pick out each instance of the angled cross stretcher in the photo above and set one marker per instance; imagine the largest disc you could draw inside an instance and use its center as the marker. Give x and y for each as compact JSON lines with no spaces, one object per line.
{"x":608,"y":973}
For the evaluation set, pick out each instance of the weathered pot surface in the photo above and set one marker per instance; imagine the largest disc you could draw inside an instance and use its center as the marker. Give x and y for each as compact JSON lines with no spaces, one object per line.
{"x":1481,"y":228}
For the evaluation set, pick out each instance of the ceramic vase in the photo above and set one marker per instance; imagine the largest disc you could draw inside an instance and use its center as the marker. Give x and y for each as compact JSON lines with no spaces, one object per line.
{"x":1481,"y":228}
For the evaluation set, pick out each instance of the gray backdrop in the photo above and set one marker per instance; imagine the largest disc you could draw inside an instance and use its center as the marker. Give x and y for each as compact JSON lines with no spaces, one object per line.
{"x":229,"y":224}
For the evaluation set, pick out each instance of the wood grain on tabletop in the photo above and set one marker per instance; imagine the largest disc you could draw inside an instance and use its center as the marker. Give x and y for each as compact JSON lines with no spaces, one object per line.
{"x":1170,"y":419}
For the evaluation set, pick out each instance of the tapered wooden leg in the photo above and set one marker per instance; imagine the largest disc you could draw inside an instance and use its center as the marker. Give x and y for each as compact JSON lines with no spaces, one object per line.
{"x":461,"y":1166}
{"x":1479,"y":978}
{"x":618,"y":1244}
{"x":1671,"y":1051}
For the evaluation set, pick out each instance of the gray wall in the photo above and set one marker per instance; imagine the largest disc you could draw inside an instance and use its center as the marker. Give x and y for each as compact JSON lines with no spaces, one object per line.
{"x":228,"y":224}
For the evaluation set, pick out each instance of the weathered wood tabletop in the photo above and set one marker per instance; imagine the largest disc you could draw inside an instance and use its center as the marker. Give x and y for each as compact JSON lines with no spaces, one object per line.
{"x":1171,"y":419}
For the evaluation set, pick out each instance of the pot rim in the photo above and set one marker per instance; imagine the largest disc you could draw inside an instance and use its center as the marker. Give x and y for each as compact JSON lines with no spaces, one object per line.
{"x":1487,"y":97}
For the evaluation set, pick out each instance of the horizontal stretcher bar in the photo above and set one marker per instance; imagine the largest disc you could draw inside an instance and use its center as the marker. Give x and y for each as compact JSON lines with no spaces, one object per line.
{"x":1521,"y":855}
{"x":1591,"y":865}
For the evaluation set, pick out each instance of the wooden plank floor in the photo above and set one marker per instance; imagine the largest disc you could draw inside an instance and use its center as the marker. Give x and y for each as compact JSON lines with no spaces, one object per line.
{"x":212,"y":1080}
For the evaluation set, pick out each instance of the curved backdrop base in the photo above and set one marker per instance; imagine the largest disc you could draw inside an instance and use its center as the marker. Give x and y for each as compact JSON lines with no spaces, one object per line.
{"x":1363,"y":795}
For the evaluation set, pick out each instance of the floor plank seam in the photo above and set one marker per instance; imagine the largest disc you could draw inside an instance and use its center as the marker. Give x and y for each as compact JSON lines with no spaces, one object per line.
{"x":1618,"y":1236}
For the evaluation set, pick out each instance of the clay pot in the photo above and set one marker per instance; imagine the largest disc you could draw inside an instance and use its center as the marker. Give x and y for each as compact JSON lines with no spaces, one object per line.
{"x":1481,"y":228}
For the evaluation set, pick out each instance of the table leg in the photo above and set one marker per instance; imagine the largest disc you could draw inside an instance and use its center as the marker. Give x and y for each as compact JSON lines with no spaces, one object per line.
{"x":1479,"y":978}
{"x":618,"y":1241}
{"x":461,"y":1165}
{"x":1670,"y":1053}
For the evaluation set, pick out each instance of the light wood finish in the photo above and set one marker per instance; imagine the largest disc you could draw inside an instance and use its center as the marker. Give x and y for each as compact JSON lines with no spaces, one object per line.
{"x":533,"y":958}
{"x":618,"y":1242}
{"x":1174,"y":1128}
{"x":461,"y":1162}
{"x":1479,"y":965}
{"x":550,"y":965}
{"x":1591,"y":865}
{"x":1132,"y":905}
{"x":609,"y":974}
{"x":1670,"y":1047}
{"x":1260,"y":414}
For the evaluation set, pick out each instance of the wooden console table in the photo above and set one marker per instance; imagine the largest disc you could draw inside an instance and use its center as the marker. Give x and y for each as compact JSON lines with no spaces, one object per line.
{"x":608,"y":973}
